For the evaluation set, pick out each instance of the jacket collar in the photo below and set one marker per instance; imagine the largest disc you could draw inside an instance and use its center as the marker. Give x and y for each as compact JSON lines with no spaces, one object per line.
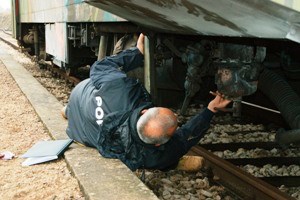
{"x":136,"y":114}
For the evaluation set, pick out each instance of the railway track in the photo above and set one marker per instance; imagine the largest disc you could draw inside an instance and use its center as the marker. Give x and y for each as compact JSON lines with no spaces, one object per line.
{"x":241,"y":183}
{"x":6,"y":37}
{"x":252,"y":168}
{"x":230,"y":172}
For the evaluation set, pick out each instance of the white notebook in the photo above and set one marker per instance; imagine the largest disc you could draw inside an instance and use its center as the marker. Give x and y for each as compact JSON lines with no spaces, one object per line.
{"x":44,"y":151}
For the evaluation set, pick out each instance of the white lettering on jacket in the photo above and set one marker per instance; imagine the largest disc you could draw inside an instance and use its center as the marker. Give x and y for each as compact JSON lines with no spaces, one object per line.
{"x":99,"y":113}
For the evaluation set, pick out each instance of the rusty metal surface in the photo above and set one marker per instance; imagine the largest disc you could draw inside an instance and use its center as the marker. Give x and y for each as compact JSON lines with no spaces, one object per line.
{"x":237,"y":18}
{"x":37,"y":11}
{"x":239,"y":181}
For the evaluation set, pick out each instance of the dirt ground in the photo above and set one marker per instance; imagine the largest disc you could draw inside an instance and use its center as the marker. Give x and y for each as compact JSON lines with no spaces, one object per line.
{"x":20,"y":128}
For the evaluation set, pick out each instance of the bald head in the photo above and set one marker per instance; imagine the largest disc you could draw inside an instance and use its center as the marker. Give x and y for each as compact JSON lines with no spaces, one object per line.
{"x":157,"y":125}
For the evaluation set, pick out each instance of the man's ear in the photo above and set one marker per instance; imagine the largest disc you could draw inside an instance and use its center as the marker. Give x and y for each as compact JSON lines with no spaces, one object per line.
{"x":143,"y":111}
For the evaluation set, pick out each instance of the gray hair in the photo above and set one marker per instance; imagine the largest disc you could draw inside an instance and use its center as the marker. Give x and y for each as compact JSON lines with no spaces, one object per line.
{"x":160,"y":121}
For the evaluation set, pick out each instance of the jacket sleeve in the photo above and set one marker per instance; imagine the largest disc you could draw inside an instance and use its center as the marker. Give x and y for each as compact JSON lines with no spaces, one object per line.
{"x":191,"y":132}
{"x":115,"y":66}
{"x":168,"y":155}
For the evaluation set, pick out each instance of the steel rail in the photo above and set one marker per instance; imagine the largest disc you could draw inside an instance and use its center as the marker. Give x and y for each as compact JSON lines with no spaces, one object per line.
{"x":238,"y":181}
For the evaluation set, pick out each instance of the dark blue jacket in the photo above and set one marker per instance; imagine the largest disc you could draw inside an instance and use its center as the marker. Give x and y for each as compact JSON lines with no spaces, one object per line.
{"x":103,"y":112}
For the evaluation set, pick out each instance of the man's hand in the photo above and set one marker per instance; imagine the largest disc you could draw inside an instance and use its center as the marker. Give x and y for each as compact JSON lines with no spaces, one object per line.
{"x":140,"y":43}
{"x":218,"y":102}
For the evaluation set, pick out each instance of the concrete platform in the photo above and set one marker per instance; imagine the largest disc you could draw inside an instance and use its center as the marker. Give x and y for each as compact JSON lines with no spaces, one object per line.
{"x":99,"y":178}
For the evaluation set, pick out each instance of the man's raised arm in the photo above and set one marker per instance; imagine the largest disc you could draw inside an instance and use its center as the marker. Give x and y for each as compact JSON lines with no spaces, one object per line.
{"x":115,"y":66}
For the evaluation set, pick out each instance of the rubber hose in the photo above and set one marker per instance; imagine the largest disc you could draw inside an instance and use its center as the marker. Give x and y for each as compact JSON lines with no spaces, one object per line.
{"x":282,"y":95}
{"x":284,"y":138}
